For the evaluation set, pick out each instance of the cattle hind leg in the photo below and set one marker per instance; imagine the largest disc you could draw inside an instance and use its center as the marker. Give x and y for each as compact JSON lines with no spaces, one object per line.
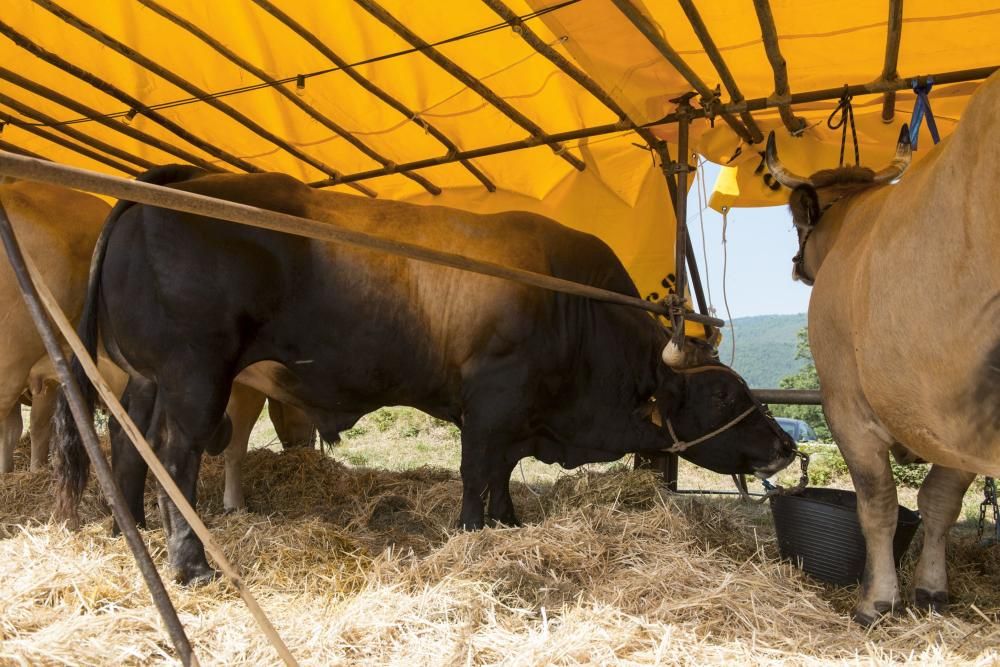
{"x":940,"y":501}
{"x":10,"y":434}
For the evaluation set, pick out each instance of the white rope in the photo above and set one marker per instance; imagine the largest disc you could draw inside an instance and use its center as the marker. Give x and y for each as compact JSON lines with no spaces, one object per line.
{"x":725,"y":293}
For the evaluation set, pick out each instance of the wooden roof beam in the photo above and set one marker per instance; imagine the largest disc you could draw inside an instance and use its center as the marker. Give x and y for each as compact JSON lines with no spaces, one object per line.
{"x":282,"y":89}
{"x":65,"y":143}
{"x":378,"y":92}
{"x":11,"y":148}
{"x":650,"y":32}
{"x":568,"y":68}
{"x":191,"y":89}
{"x":445,"y":63}
{"x":90,"y":112}
{"x":40,"y":117}
{"x":123,"y":97}
{"x":714,"y":55}
{"x":889,"y":72}
{"x":769,"y":34}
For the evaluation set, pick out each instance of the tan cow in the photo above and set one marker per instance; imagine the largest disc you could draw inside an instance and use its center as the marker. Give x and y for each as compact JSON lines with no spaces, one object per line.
{"x":58,"y":228}
{"x":904,"y":324}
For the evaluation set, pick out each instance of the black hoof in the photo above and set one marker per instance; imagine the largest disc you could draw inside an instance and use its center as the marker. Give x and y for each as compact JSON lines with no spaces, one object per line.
{"x":510,"y":521}
{"x":196,"y":577}
{"x":867,"y":620}
{"x":936,"y":601}
{"x":470,"y":524}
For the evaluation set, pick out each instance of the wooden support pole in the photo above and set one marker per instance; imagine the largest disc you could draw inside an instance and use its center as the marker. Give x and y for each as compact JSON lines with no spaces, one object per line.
{"x":714,"y":55}
{"x":34,"y":291}
{"x":329,"y":231}
{"x":282,"y":90}
{"x":769,"y":34}
{"x":40,"y":117}
{"x":448,"y":65}
{"x":116,"y":125}
{"x":788,"y":396}
{"x":659,"y":42}
{"x":375,"y":90}
{"x":123,"y":97}
{"x":156,"y":467}
{"x":893,"y":36}
{"x":191,"y":89}
{"x":680,"y":169}
{"x":66,"y":143}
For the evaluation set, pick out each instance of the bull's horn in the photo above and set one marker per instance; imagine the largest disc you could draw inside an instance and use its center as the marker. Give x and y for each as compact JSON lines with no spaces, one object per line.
{"x":673,"y":355}
{"x":904,"y":153}
{"x":782,"y":175}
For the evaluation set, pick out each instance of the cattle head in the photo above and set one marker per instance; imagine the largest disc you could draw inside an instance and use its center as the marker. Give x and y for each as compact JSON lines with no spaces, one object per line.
{"x":708,"y":411}
{"x":811,"y":197}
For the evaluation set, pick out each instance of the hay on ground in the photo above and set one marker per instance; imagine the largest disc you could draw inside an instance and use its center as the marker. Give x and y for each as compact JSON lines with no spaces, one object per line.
{"x":360,"y":566}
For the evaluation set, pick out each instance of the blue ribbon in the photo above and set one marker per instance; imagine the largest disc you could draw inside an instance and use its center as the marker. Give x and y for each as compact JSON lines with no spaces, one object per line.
{"x":921,"y":109}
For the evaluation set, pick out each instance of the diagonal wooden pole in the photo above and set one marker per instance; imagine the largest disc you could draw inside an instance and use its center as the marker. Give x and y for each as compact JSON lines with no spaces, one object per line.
{"x":161,"y":474}
{"x":32,"y":289}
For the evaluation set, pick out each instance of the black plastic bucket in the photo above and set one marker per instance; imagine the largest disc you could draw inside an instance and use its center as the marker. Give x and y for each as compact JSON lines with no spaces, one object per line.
{"x":819,"y":530}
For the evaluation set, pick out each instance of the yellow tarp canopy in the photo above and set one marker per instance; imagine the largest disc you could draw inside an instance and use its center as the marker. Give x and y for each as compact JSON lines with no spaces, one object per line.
{"x":620,"y":196}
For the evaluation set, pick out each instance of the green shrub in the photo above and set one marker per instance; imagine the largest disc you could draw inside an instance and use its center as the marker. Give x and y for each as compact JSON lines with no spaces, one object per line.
{"x":911,"y":475}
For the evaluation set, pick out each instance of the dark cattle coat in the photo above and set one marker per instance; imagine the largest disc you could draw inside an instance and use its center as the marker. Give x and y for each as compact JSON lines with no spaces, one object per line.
{"x":186,"y":303}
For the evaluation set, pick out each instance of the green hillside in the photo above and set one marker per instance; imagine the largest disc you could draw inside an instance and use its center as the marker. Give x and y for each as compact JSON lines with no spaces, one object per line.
{"x":765,"y":348}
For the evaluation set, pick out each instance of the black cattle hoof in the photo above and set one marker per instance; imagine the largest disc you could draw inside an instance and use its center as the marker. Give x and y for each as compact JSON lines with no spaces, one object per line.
{"x":195,"y":577}
{"x":936,"y":601}
{"x":882,"y":608}
{"x":470,"y":524}
{"x":510,"y":521}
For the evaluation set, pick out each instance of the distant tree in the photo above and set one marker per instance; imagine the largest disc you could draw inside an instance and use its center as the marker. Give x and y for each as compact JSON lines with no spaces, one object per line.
{"x":805,"y":378}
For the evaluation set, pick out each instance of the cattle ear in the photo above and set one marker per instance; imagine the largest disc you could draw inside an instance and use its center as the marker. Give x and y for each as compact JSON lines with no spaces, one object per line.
{"x":804,"y":204}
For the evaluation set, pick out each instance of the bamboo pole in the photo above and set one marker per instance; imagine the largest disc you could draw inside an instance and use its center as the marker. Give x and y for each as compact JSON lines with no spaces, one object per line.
{"x":123,"y":97}
{"x":90,"y":112}
{"x":191,"y":89}
{"x":449,"y":66}
{"x":35,"y":292}
{"x":769,"y":34}
{"x":894,"y":35}
{"x":375,"y":90}
{"x":659,"y":42}
{"x":164,"y":197}
{"x":282,"y":90}
{"x":40,"y":117}
{"x":714,"y":55}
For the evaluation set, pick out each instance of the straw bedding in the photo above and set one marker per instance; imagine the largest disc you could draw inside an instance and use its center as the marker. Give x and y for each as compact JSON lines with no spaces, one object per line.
{"x":359,"y":566}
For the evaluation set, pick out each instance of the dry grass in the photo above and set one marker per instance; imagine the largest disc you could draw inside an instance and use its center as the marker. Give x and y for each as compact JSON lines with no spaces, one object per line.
{"x":363,"y":566}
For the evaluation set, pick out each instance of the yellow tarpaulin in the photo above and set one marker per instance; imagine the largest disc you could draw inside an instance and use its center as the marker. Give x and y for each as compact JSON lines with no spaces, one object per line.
{"x":620,"y":196}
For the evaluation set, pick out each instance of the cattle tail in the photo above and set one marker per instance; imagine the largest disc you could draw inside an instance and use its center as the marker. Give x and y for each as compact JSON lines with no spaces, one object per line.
{"x":70,"y":461}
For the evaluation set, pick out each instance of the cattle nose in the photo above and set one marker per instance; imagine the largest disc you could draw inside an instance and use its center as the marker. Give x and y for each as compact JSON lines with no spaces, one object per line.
{"x":775,"y":466}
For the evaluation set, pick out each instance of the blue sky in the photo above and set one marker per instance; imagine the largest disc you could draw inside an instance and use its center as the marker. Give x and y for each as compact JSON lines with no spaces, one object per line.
{"x":760,"y":245}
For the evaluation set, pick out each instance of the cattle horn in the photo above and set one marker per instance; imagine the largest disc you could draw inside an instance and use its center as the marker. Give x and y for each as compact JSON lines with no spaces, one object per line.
{"x":904,"y":153}
{"x":782,"y":175}
{"x":673,"y":355}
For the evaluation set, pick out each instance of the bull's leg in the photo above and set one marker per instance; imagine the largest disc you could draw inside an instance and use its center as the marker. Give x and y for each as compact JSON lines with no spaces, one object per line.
{"x":475,"y":483}
{"x":501,"y":505}
{"x":43,"y":406}
{"x":245,"y":406}
{"x":293,"y":426}
{"x":10,"y":433}
{"x":127,"y":465}
{"x":868,"y":460}
{"x":940,"y":501}
{"x":195,"y":419}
